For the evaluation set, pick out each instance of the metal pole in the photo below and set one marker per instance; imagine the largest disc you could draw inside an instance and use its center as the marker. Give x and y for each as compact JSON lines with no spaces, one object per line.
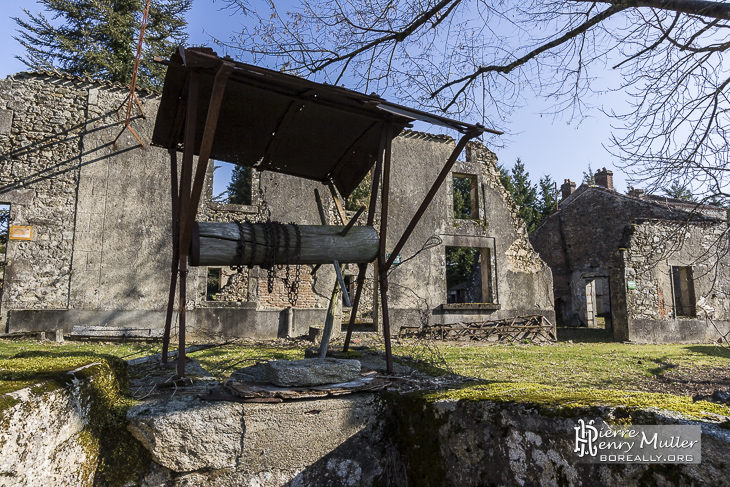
{"x":185,"y":186}
{"x":382,"y":262}
{"x":362,"y":269}
{"x":206,"y":145}
{"x":175,"y":253}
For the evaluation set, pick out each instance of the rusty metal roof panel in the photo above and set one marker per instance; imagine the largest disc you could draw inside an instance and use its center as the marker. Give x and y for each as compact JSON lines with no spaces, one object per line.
{"x":281,"y":123}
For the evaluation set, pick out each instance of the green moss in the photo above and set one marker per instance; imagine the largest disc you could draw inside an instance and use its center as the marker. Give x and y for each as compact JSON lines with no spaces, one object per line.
{"x":350,"y":354}
{"x":90,"y":445}
{"x":6,"y":402}
{"x":103,"y":381}
{"x":567,"y":401}
{"x":122,"y":459}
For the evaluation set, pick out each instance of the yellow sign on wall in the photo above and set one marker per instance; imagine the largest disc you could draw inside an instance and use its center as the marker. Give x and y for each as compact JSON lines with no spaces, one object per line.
{"x":20,"y":233}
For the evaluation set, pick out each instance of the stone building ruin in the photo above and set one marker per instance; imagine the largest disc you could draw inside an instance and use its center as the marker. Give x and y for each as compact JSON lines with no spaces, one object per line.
{"x":96,"y":217}
{"x":651,"y":268}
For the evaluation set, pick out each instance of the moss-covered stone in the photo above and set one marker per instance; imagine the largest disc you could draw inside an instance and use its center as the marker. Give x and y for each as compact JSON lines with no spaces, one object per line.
{"x":99,"y":384}
{"x":561,"y":401}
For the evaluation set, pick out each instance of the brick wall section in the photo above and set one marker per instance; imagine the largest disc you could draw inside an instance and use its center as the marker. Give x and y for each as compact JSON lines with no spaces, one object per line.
{"x":278,"y":298}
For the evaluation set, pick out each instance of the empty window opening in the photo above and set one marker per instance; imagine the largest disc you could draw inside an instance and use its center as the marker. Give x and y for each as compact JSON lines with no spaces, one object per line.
{"x":684,"y":291}
{"x":465,"y":197}
{"x":232,"y":184}
{"x":213,"y":284}
{"x":469,"y":273}
{"x":350,"y":284}
{"x":360,"y":196}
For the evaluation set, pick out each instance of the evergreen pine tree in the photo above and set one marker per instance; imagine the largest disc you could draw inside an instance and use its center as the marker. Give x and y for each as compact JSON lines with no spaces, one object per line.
{"x":98,"y":38}
{"x":679,"y":192}
{"x":239,"y":189}
{"x":360,"y":196}
{"x":532,"y":209}
{"x":460,"y":262}
{"x":547,"y":203}
{"x":589,"y":177}
{"x":525,"y":195}
{"x":462,"y":198}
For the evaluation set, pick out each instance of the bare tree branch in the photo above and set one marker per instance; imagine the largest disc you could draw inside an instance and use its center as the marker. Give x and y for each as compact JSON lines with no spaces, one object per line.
{"x":480,"y":58}
{"x":704,"y":8}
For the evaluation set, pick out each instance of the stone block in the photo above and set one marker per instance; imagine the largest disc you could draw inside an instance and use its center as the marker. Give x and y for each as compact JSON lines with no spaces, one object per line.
{"x":187,"y":434}
{"x":93,"y":98}
{"x":312,"y":371}
{"x":6,"y":121}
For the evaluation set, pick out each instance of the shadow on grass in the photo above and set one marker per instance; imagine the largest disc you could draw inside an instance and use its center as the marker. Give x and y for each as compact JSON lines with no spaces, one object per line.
{"x":662,"y":366}
{"x":584,"y":335}
{"x":710,"y":350}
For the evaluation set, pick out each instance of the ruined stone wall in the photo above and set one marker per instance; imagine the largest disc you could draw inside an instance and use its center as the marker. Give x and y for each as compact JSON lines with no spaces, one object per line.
{"x":42,"y":120}
{"x":521,"y":282}
{"x":99,"y":209}
{"x":99,"y":206}
{"x":524,"y":280}
{"x":578,"y":241}
{"x":122,"y":239}
{"x":653,"y":248}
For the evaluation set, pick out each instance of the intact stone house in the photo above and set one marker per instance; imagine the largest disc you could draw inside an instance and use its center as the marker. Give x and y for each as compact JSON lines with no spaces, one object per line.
{"x":91,"y":227}
{"x":649,"y":267}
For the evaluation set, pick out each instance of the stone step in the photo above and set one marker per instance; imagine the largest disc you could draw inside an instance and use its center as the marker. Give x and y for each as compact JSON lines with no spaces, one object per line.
{"x":114,"y":332}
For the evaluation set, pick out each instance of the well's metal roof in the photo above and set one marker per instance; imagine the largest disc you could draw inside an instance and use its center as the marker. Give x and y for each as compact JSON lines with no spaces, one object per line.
{"x":282,"y":123}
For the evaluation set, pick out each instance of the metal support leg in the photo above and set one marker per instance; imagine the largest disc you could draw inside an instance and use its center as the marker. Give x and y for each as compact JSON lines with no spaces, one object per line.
{"x":175,"y":254}
{"x":371,"y":218}
{"x":362,"y":270}
{"x":184,"y":205}
{"x":382,"y":261}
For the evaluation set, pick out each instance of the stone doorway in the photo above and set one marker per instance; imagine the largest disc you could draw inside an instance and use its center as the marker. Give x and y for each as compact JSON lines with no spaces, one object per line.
{"x":598,"y":302}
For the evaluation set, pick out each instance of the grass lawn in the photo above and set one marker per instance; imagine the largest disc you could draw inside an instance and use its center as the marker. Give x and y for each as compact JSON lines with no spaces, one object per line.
{"x":582,"y":360}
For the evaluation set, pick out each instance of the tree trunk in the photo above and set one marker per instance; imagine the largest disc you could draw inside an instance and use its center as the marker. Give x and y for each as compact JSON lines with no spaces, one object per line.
{"x":218,"y":244}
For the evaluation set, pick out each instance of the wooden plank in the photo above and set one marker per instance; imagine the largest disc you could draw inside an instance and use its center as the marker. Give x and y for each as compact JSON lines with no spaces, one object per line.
{"x":217,"y":244}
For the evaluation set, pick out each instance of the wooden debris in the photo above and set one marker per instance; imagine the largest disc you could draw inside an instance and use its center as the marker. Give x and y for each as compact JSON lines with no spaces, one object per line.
{"x":227,"y":396}
{"x":533,"y":329}
{"x":249,"y":390}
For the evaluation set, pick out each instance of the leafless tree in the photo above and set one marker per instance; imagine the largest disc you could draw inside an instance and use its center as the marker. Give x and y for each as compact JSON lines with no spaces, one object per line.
{"x":481,"y":58}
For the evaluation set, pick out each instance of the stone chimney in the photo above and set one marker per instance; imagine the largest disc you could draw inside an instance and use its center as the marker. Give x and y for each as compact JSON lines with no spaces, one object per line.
{"x":567,"y":188}
{"x":636,"y":193}
{"x":604,"y":178}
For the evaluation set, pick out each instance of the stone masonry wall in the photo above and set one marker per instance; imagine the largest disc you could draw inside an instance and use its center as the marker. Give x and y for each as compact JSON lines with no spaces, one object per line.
{"x":40,"y":144}
{"x":655,"y":246}
{"x":97,"y":201}
{"x":579,"y":240}
{"x":521,"y":283}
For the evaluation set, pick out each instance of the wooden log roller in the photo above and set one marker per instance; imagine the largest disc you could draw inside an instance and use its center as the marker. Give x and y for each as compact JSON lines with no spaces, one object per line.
{"x":220,"y":244}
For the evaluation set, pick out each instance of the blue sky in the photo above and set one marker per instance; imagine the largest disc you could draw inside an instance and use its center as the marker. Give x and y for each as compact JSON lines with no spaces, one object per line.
{"x":545,"y":145}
